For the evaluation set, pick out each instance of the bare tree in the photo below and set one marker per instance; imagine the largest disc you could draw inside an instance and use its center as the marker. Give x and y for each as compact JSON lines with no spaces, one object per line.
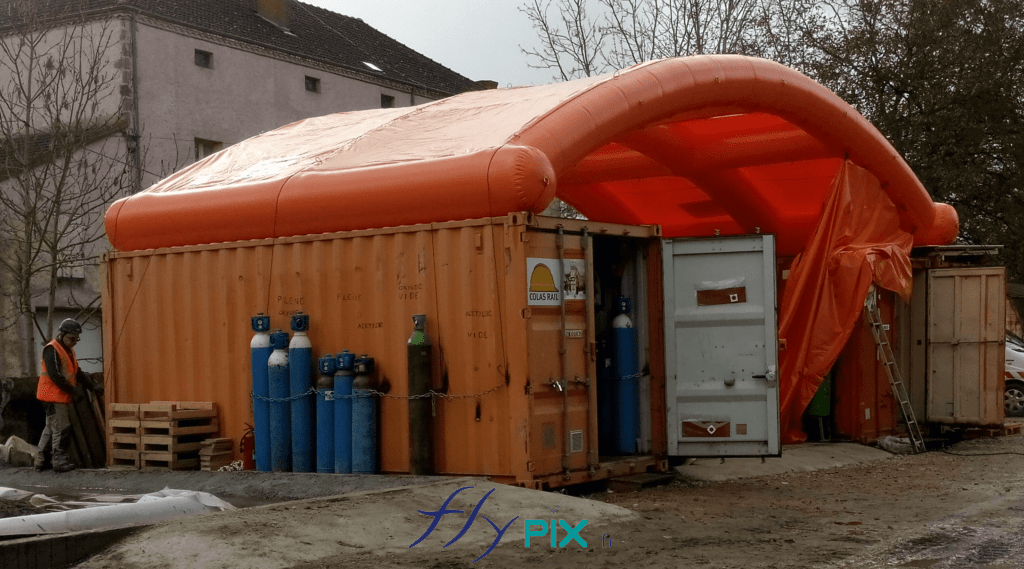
{"x":65,"y":151}
{"x":944,"y":82}
{"x":584,"y":37}
{"x":571,"y":43}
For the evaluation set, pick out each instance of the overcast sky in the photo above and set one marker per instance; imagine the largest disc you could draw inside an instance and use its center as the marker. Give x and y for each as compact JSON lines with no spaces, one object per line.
{"x":479,"y":39}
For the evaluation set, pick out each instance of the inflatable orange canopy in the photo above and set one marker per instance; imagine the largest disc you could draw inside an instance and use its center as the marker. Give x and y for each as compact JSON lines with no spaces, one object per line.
{"x":697,"y":145}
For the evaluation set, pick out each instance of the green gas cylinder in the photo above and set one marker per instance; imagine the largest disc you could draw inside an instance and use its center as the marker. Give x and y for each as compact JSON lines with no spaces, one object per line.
{"x":421,"y":444}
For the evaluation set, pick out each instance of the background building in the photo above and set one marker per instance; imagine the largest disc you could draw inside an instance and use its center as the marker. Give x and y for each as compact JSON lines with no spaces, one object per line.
{"x":174,"y":83}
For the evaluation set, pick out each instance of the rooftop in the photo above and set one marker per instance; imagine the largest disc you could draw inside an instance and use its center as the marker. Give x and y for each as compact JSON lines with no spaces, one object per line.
{"x":310,"y":32}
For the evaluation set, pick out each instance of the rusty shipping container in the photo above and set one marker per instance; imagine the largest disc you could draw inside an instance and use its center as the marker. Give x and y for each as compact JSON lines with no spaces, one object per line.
{"x":864,"y":406}
{"x":520,"y":373}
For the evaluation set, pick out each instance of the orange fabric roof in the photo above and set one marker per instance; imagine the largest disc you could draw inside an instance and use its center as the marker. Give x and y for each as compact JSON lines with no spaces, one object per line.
{"x":697,"y":145}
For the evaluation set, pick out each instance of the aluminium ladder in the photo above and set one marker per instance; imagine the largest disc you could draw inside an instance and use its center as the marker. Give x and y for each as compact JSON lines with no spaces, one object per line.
{"x":899,"y":391}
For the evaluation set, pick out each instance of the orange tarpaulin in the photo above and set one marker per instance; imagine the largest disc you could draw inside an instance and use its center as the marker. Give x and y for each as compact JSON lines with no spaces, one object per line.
{"x":857,"y":241}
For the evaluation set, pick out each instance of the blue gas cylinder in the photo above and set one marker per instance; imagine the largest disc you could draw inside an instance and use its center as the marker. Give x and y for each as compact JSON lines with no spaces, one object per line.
{"x":280,"y":412}
{"x":303,"y":414}
{"x":345,"y":363}
{"x":364,"y":418}
{"x":325,"y":414}
{"x":259,"y":349}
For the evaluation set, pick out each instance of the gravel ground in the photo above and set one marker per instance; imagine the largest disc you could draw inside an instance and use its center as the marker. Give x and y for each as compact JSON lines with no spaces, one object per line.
{"x":886,"y":513}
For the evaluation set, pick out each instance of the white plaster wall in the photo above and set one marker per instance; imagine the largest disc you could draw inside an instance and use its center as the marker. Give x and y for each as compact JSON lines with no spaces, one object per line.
{"x":99,"y":41}
{"x":243,"y":95}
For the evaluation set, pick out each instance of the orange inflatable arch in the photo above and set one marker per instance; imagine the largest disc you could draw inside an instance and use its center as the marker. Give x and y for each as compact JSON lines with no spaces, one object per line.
{"x":697,"y":145}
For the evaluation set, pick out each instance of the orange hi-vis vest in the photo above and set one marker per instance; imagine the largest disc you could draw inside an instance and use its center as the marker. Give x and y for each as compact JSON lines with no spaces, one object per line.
{"x":47,"y":390}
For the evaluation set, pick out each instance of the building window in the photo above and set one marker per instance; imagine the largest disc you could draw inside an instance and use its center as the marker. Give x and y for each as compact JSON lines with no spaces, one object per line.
{"x":205,"y":148}
{"x":387,"y":101}
{"x":312,"y":84}
{"x":204,"y":59}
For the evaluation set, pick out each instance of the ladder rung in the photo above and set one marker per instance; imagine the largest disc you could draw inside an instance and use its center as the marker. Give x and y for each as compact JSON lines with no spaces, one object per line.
{"x":896,"y":383}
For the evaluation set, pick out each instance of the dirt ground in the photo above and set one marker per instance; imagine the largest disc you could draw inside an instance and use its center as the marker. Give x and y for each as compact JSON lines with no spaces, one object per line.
{"x":840,"y":517}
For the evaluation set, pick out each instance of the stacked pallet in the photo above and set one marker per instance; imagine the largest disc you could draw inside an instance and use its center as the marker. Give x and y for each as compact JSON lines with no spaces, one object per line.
{"x":123,"y":436}
{"x":215,"y":454}
{"x":173,"y":432}
{"x":163,"y":434}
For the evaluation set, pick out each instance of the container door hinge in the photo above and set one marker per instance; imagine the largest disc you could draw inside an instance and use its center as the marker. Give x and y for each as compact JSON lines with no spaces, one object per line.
{"x":529,"y":388}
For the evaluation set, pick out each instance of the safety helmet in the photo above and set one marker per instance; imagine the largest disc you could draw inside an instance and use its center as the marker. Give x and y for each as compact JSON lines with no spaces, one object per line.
{"x":70,"y":326}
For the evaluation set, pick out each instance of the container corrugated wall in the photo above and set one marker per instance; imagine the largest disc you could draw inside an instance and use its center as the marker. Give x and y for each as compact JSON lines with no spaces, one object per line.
{"x":178,"y":322}
{"x":864,"y":406}
{"x":177,"y":325}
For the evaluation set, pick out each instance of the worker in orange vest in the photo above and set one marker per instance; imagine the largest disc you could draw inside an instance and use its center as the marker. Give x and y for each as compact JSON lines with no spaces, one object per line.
{"x":60,"y":381}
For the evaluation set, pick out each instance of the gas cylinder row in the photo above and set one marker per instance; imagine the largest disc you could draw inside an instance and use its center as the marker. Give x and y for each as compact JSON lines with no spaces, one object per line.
{"x":339,"y":433}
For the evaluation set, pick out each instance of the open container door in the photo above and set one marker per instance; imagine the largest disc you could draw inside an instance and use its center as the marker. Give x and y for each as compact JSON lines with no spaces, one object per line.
{"x":721,"y":355}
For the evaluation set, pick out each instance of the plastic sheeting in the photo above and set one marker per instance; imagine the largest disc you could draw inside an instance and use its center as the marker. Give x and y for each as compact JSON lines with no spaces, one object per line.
{"x":698,"y":145}
{"x":857,"y":241}
{"x":154,"y":507}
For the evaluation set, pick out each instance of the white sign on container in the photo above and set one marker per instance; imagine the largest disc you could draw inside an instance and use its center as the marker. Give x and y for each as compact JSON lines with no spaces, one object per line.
{"x":546,"y":281}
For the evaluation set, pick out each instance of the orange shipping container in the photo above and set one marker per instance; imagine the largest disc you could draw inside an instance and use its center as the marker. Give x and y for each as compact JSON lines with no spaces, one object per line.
{"x":520,"y":376}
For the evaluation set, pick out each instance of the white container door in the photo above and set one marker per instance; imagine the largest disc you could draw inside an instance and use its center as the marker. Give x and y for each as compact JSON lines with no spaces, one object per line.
{"x":721,"y":354}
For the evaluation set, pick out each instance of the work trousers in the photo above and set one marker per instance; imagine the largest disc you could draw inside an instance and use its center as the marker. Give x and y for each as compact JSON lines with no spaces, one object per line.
{"x":57,"y":432}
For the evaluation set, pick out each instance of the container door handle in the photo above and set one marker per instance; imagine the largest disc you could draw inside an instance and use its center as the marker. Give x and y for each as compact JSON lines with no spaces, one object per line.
{"x":768,"y":376}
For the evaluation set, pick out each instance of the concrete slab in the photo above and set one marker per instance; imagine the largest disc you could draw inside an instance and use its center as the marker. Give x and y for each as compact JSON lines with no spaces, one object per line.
{"x":795,"y":458}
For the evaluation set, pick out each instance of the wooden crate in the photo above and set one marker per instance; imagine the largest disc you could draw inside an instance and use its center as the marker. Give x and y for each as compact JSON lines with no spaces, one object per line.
{"x":116,"y":441}
{"x":176,"y":411}
{"x":216,"y":445}
{"x":172,"y":443}
{"x":118,"y":459}
{"x":170,"y":460}
{"x":130,"y":427}
{"x":216,"y":460}
{"x":123,"y":436}
{"x":163,"y":434}
{"x":216,"y":453}
{"x":123,"y":411}
{"x":178,"y":427}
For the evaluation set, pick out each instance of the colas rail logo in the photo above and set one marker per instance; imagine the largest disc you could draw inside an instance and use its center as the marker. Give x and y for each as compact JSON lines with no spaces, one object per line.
{"x":534,"y":528}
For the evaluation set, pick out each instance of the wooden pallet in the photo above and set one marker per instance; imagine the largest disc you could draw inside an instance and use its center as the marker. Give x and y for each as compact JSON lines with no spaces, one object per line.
{"x":172,"y":443}
{"x":123,"y":432}
{"x":116,"y":441}
{"x":169,"y":460}
{"x":174,"y":411}
{"x":124,"y":427}
{"x":215,"y":461}
{"x":216,"y":453}
{"x":1006,"y":430}
{"x":119,"y":459}
{"x":123,"y":411}
{"x":163,"y":434}
{"x":188,"y":404}
{"x":178,"y":427}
